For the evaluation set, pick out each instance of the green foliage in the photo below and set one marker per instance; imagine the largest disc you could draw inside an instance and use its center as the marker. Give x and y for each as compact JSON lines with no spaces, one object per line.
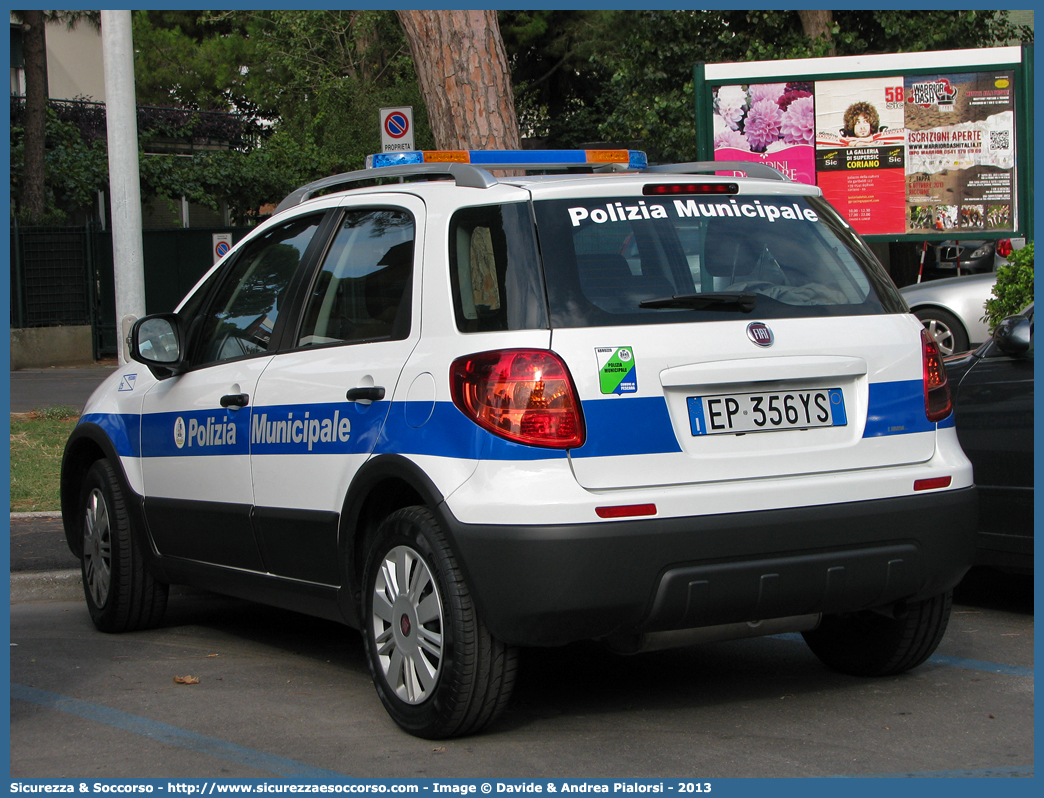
{"x":1014,"y":287}
{"x":318,"y":78}
{"x":75,"y":170}
{"x":558,"y":81}
{"x":327,"y":74}
{"x":181,"y":60}
{"x":652,"y":85}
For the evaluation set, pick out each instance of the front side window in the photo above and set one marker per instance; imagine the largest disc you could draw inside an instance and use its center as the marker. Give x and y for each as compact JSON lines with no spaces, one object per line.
{"x":243,"y":313}
{"x":362,"y":293}
{"x":652,"y":259}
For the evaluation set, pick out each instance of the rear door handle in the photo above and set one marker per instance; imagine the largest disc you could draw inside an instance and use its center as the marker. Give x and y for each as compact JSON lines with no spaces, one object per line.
{"x":372,"y":393}
{"x":235,"y":400}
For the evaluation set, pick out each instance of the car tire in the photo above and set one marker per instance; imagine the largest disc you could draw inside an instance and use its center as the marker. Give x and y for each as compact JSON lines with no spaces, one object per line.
{"x":945,"y":329}
{"x":121,"y":594}
{"x":437,"y":669}
{"x":872,"y":644}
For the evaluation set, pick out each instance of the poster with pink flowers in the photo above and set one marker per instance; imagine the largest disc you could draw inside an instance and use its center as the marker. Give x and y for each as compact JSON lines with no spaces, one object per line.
{"x":770,"y":123}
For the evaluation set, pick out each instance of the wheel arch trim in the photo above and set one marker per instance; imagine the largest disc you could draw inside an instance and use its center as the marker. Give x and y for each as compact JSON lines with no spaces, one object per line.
{"x":87,"y":443}
{"x":354,"y":527}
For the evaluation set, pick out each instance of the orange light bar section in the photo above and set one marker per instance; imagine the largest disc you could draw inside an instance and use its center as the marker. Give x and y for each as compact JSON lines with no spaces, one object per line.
{"x":447,"y":156}
{"x":607,"y":156}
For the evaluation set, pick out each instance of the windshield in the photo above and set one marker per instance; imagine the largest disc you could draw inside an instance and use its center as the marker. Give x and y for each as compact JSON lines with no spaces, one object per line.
{"x":627,"y":260}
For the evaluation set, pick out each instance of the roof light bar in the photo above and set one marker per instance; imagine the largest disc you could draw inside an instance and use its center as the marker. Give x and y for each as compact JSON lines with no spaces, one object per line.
{"x":513,"y":159}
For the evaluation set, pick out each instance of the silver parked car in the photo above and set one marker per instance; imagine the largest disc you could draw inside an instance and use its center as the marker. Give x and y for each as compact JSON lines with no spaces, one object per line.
{"x":952,"y":309}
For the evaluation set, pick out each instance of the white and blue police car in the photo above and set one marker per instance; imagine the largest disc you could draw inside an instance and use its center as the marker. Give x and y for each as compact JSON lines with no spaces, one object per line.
{"x":646,"y":405}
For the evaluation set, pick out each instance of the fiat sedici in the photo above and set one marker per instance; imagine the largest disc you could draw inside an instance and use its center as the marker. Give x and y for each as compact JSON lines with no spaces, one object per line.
{"x":646,"y":405}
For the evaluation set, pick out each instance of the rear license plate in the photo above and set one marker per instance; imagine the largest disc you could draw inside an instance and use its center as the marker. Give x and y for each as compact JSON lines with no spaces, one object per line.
{"x":765,"y":412}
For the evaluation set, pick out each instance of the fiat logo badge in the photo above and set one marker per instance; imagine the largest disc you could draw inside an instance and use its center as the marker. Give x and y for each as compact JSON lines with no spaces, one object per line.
{"x":759,"y":333}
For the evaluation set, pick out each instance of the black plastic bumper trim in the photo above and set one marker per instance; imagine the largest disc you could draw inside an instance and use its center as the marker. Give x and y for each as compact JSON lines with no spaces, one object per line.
{"x":549,"y":585}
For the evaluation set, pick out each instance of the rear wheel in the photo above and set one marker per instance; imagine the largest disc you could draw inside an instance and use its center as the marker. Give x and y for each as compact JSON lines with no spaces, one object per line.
{"x":945,"y":329}
{"x":121,"y":595}
{"x":437,"y":670}
{"x":870,"y":644}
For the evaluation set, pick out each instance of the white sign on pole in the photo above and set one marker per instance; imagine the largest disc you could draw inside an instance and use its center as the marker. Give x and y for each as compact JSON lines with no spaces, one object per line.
{"x":397,"y":129}
{"x":222,"y":244}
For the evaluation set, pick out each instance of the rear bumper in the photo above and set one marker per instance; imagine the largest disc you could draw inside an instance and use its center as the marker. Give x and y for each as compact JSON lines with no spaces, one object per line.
{"x":550,"y":585}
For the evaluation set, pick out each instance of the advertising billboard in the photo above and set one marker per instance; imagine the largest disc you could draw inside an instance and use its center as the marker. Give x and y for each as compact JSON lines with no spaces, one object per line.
{"x":918,"y":144}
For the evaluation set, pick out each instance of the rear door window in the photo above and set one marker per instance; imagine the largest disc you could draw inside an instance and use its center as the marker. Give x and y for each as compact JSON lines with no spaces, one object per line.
{"x":362,"y":292}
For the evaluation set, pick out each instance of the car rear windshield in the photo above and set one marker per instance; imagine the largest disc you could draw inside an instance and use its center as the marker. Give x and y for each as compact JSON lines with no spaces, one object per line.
{"x":627,"y":260}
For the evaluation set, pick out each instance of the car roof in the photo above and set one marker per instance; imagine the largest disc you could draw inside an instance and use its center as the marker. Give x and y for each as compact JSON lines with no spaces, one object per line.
{"x":472,"y":169}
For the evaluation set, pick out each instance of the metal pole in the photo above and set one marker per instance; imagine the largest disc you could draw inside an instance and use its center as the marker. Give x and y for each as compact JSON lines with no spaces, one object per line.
{"x":125,"y":189}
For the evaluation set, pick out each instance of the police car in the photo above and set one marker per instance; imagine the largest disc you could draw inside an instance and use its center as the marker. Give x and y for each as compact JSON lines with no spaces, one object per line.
{"x":646,"y":405}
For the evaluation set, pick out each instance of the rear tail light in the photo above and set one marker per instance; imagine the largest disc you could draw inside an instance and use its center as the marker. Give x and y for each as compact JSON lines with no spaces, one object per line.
{"x":523,"y":395}
{"x":937,"y":400}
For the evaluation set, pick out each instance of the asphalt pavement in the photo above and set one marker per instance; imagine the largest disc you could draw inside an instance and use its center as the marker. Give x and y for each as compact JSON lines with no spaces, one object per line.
{"x":33,"y":389}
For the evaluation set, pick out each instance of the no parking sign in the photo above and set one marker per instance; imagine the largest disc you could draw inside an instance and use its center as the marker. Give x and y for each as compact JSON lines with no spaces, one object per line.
{"x":397,"y":129}
{"x":222,"y":244}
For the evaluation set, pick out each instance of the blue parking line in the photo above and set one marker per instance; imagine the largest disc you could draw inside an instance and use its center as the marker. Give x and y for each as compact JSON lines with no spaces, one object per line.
{"x":164,"y":733}
{"x":942,"y":659}
{"x":978,"y":665}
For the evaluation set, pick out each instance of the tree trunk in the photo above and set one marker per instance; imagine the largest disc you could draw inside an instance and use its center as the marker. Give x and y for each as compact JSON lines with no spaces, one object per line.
{"x":464,"y":77}
{"x":817,"y":24}
{"x":33,"y":49}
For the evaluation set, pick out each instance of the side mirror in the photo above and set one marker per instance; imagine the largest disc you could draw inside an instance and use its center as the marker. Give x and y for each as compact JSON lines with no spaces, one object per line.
{"x":1014,"y":335}
{"x":156,"y":342}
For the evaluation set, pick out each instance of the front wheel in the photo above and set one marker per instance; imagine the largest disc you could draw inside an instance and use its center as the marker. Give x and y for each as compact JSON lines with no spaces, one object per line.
{"x":870,"y":644}
{"x":121,"y":594}
{"x":437,"y":670}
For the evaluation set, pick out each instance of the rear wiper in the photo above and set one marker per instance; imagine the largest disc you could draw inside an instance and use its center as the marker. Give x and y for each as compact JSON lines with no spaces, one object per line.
{"x":720,"y":300}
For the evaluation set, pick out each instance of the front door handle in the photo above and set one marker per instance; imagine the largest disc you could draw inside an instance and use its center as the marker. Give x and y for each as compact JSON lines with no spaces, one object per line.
{"x":235,"y":400}
{"x":373,"y":393}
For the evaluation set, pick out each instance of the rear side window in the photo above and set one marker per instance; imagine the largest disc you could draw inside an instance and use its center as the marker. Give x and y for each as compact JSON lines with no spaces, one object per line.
{"x":650,"y":260}
{"x":495,"y":269}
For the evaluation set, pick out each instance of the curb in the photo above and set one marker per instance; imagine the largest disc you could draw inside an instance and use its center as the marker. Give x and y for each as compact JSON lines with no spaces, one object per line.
{"x":38,"y":514}
{"x":46,"y":586}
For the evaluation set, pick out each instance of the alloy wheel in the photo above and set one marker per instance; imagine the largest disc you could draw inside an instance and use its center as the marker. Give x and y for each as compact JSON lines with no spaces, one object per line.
{"x":97,"y":547}
{"x":408,"y":625}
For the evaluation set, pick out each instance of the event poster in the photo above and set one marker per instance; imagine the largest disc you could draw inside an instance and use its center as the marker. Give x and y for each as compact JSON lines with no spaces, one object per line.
{"x":960,"y":174}
{"x":860,"y":157}
{"x":896,"y":155}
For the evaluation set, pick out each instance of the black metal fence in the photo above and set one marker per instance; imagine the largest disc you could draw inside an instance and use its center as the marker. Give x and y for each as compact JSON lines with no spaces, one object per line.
{"x":65,"y":275}
{"x":50,"y":276}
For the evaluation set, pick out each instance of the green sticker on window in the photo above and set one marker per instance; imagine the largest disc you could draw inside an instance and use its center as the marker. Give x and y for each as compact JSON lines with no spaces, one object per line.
{"x":616,"y":369}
